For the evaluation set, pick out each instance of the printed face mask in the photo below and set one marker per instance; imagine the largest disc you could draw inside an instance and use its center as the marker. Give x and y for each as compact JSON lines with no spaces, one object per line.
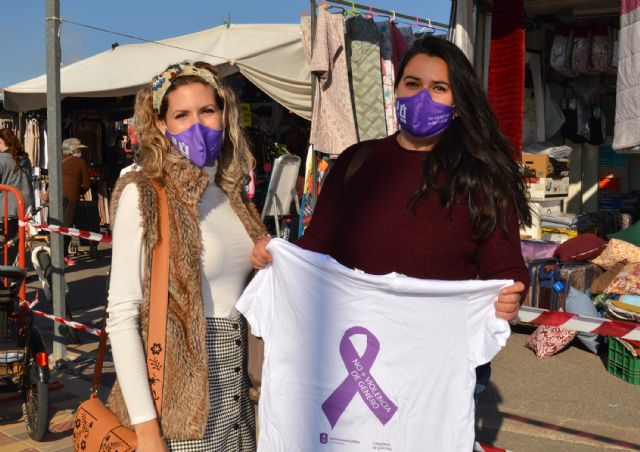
{"x":198,"y":143}
{"x":421,"y":116}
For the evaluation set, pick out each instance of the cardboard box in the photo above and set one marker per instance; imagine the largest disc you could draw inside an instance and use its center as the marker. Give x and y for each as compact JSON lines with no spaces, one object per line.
{"x":545,"y":187}
{"x":541,"y":165}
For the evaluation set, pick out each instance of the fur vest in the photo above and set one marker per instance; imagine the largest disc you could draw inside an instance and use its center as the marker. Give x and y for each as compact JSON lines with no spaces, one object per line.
{"x":185,"y":402}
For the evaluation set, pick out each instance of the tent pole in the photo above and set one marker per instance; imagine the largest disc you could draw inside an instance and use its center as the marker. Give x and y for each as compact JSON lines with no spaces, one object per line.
{"x":453,"y":18}
{"x":54,"y":144}
{"x":314,"y":160}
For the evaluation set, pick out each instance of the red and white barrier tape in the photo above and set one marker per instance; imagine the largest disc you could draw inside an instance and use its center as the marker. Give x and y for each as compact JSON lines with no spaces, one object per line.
{"x":70,"y":323}
{"x":55,"y":318}
{"x":478,"y":447}
{"x":73,"y":232}
{"x":603,"y":327}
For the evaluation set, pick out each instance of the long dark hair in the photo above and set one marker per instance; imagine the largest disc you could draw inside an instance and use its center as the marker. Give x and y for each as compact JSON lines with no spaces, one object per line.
{"x":478,"y":160}
{"x":15,"y":148}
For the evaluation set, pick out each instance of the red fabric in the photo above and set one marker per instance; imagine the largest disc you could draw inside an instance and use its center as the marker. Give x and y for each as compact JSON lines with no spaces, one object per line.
{"x":581,"y":248}
{"x":506,"y":67}
{"x":629,"y":5}
{"x":369,"y":226}
{"x":553,"y":318}
{"x":398,"y":47}
{"x":615,"y":328}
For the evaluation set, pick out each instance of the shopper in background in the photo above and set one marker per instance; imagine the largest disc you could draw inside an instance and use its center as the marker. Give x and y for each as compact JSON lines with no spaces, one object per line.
{"x":75,"y":183}
{"x":15,"y":170}
{"x":191,"y":143}
{"x":442,"y":198}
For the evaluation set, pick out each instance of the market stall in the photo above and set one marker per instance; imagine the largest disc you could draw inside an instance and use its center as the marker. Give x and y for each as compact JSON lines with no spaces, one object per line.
{"x":572,"y":90}
{"x":263,"y":63}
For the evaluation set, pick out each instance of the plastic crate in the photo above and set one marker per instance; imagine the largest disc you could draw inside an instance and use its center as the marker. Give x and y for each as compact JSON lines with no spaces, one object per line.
{"x":622,"y":363}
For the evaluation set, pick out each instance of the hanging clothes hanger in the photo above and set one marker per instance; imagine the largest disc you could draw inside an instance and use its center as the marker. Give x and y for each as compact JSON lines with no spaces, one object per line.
{"x":353,"y":11}
{"x":428,"y":29}
{"x":371,"y":14}
{"x":424,"y":29}
{"x":324,"y":5}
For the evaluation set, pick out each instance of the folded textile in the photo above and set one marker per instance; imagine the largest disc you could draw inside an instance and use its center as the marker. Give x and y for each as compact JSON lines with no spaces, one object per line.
{"x":627,"y":307}
{"x":567,"y":219}
{"x":621,"y":314}
{"x":631,"y":300}
{"x":555,"y":225}
{"x":557,"y":152}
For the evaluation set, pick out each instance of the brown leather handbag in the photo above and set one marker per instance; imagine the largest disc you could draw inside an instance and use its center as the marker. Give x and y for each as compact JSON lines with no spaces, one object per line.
{"x":95,"y":427}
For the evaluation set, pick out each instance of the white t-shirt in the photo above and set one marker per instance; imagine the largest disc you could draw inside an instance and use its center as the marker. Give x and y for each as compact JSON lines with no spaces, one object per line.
{"x":356,"y":362}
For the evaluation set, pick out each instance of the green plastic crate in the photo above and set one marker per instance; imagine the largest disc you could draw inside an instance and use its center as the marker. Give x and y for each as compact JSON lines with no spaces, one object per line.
{"x":622,"y":363}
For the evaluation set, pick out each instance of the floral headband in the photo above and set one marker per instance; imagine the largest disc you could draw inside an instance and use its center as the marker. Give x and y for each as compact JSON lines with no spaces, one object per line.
{"x":162,"y":82}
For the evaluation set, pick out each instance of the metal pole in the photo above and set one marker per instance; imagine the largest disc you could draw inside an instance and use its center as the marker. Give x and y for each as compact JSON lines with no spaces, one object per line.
{"x":54,"y":144}
{"x":365,"y":9}
{"x":453,"y":17}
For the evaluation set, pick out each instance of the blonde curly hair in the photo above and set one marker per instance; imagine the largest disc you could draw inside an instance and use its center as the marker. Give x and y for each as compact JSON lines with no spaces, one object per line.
{"x":236,"y":160}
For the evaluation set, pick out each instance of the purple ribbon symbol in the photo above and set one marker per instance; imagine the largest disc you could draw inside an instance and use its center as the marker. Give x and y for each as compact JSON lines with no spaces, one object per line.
{"x":359,"y":380}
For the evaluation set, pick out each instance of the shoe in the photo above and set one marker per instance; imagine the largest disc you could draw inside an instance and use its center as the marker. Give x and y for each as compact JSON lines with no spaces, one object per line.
{"x":69,"y":262}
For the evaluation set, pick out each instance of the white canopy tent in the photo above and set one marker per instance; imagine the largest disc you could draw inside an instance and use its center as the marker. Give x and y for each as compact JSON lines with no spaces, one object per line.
{"x":270,"y":56}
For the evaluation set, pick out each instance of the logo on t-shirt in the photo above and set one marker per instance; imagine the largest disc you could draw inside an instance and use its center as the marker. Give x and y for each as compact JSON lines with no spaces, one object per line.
{"x":324,"y":438}
{"x":359,"y":381}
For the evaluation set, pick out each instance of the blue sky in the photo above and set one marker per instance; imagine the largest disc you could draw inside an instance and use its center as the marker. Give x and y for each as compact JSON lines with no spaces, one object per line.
{"x":22,"y":46}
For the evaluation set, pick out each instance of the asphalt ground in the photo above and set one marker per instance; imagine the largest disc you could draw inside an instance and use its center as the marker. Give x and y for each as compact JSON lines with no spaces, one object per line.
{"x":566,"y":403}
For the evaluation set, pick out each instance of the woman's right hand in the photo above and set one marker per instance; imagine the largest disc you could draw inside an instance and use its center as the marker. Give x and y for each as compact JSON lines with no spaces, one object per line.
{"x":260,"y":256}
{"x":149,"y":437}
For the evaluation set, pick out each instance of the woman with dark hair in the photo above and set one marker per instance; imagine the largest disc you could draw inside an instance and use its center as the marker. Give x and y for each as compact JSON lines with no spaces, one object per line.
{"x":441,"y":199}
{"x":15,"y":170}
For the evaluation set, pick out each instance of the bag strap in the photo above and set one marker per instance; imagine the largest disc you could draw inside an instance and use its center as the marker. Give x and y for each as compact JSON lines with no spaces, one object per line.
{"x":159,"y":296}
{"x":358,"y":160}
{"x":102,"y":345}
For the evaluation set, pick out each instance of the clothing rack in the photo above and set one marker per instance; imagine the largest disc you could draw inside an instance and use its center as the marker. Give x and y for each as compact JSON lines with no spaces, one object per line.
{"x":366,"y":9}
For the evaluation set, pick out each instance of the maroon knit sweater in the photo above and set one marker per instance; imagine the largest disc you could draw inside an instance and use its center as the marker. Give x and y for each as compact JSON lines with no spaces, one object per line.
{"x":368,"y":225}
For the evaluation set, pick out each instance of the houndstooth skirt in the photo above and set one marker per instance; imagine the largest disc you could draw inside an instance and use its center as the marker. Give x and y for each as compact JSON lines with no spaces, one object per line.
{"x":231,"y":425}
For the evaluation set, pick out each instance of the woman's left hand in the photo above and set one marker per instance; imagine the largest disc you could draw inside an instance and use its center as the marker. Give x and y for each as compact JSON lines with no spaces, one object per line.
{"x":508,"y":302}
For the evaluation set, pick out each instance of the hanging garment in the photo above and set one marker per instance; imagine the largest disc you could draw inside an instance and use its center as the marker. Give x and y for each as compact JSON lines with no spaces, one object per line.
{"x":600,"y":49}
{"x":363,"y":55}
{"x":561,"y":50}
{"x":90,"y":134}
{"x":307,"y":205}
{"x":626,"y":132}
{"x":32,"y":141}
{"x":365,"y":362}
{"x":399,"y":44}
{"x":464,"y":34}
{"x":43,"y":159}
{"x":506,"y":68}
{"x":333,"y":126}
{"x":407,"y":34}
{"x":388,"y":76}
{"x":581,"y":55}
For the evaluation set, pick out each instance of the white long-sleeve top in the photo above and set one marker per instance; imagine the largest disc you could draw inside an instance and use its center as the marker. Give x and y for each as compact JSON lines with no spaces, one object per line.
{"x":226,"y":264}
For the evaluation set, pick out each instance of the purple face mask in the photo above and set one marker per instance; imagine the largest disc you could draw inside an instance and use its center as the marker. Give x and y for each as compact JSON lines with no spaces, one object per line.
{"x":198,"y":143}
{"x":421,"y":116}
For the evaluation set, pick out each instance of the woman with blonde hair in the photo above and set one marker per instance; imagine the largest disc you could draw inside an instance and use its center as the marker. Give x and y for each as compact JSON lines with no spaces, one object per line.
{"x":192,"y":144}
